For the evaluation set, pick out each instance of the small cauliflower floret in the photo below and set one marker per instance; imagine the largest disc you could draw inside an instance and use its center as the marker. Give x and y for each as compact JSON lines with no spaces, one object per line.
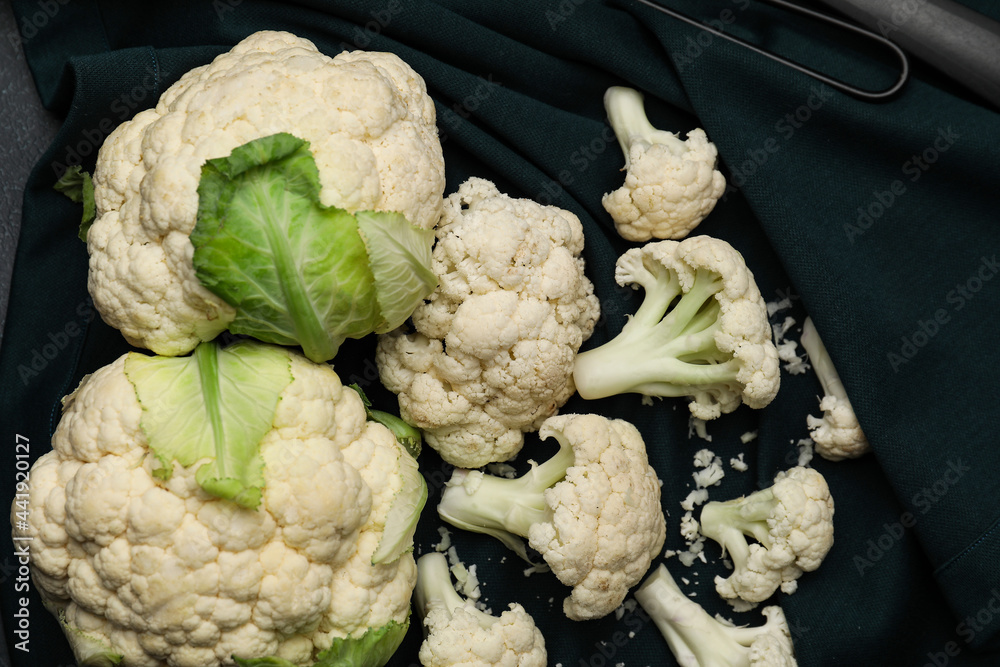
{"x":156,"y":541}
{"x":670,"y":184}
{"x":458,"y":633}
{"x":837,"y":434}
{"x":369,"y":124}
{"x":792,"y":523}
{"x":699,"y":640}
{"x":701,"y":331}
{"x":491,"y":356}
{"x":592,"y":510}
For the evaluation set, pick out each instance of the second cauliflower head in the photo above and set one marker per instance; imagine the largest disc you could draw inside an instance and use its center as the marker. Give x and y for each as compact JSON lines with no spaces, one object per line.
{"x":493,"y":349}
{"x":141,"y":563}
{"x":367,"y":119}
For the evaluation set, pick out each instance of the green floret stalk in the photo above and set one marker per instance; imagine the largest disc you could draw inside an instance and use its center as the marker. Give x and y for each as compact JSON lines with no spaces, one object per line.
{"x":434,"y":589}
{"x":627,"y":115}
{"x":695,"y":638}
{"x":504,"y":508}
{"x":729,"y":522}
{"x":821,"y":361}
{"x":667,"y":348}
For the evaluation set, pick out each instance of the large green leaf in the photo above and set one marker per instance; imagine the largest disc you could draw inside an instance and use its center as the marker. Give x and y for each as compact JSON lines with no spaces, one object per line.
{"x":400,"y":259}
{"x":214,"y":404}
{"x":298,"y":272}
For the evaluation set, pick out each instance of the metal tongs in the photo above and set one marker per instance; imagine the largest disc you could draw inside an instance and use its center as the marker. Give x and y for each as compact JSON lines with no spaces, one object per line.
{"x":954,"y":39}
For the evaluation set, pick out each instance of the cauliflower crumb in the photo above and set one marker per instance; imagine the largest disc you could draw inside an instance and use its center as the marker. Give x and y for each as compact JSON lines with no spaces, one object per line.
{"x":806,"y":447}
{"x":698,"y":427}
{"x":777,"y":306}
{"x":689,"y":527}
{"x":789,"y":587}
{"x":793,"y":363}
{"x":739,"y":464}
{"x":445,"y":542}
{"x":709,"y":476}
{"x":703,"y":458}
{"x":694,"y":498}
{"x":748,"y":436}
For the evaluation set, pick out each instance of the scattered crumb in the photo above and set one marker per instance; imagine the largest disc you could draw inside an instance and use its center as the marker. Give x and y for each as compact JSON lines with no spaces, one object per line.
{"x":748,"y":436}
{"x":776,"y":306}
{"x":703,"y":458}
{"x":445,"y":542}
{"x":694,"y":498}
{"x":710,"y":476}
{"x":689,"y":527}
{"x":739,"y":464}
{"x":698,"y":427}
{"x":805,"y":446}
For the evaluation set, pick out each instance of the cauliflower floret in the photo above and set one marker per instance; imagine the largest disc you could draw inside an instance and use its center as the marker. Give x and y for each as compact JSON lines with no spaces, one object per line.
{"x":792,"y":523}
{"x":146,"y":564}
{"x":371,"y":129}
{"x":701,"y":331}
{"x":592,"y":511}
{"x":493,"y":347}
{"x":837,"y":434}
{"x":458,"y":633}
{"x":670,"y":184}
{"x":697,"y":639}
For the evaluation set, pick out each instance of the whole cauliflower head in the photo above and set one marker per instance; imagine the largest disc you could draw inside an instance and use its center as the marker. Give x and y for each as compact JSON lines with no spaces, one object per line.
{"x":792,"y":523}
{"x":492,"y":350}
{"x":158,"y":571}
{"x":371,"y":128}
{"x":670,"y":184}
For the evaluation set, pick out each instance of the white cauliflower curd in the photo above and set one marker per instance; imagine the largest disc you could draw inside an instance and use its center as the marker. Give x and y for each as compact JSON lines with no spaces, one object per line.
{"x":493,"y":349}
{"x":148,"y":564}
{"x":369,"y":124}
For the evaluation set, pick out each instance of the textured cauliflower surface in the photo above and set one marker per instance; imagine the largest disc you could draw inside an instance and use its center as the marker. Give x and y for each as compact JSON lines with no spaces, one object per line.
{"x":667,"y":192}
{"x":371,"y":128}
{"x":457,"y":638}
{"x":493,"y":348}
{"x":172,"y":577}
{"x":607,"y":524}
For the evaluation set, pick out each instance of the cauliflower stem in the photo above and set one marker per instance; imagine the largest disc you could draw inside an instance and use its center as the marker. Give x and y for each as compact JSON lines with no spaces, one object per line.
{"x":434,"y":589}
{"x":627,"y":115}
{"x":837,"y":434}
{"x":662,"y":350}
{"x":698,"y":640}
{"x":501,"y":507}
{"x":700,"y":332}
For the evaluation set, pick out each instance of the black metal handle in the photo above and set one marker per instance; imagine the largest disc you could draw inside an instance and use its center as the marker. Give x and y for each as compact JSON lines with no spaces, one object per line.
{"x":950,"y":37}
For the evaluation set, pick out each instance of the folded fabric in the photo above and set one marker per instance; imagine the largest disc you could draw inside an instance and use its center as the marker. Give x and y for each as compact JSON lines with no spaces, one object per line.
{"x":879,"y":220}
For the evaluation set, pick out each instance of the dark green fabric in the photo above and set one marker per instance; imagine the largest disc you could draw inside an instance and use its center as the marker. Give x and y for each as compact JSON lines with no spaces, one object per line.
{"x":893,"y":254}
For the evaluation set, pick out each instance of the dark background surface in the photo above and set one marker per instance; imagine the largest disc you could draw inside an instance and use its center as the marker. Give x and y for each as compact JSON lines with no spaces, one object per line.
{"x":26,"y":129}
